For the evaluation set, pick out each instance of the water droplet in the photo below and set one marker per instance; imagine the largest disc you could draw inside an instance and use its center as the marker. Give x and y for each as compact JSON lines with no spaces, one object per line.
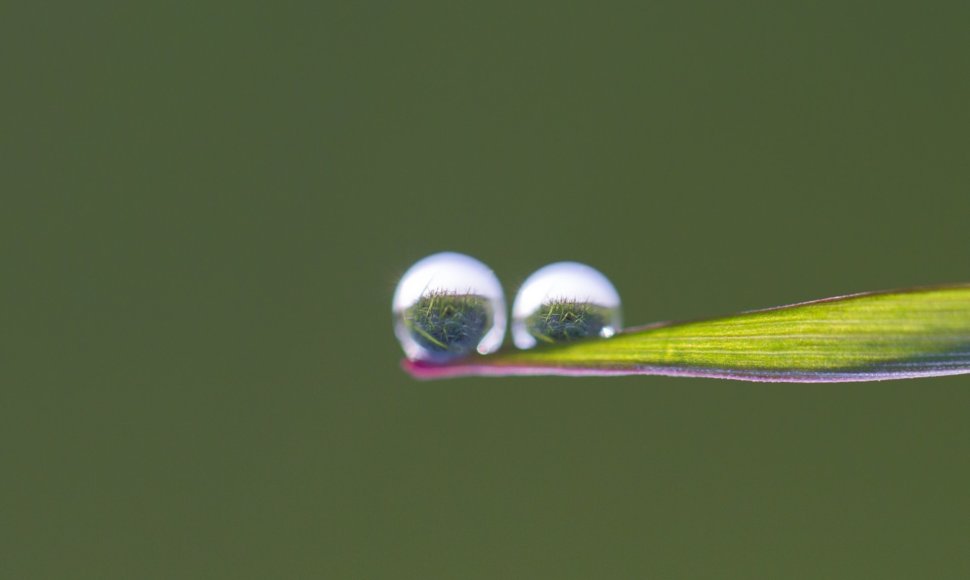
{"x":562,"y":302}
{"x":448,"y":305}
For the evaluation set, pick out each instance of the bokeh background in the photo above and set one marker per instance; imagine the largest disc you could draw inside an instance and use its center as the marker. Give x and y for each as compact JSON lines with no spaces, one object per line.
{"x":206,"y":207}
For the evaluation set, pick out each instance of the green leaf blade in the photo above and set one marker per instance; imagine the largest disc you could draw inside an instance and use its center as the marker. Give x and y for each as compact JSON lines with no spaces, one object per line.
{"x":875,"y":336}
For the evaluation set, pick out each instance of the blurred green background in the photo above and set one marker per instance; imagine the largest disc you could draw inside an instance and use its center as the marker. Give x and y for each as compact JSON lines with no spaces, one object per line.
{"x":206,"y":208}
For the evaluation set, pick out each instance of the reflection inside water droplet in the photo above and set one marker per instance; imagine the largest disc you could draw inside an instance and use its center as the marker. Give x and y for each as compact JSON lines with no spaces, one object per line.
{"x":448,"y":305}
{"x":563,"y":302}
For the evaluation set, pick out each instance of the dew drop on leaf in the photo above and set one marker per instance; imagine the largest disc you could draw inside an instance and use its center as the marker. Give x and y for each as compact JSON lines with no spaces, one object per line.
{"x":563,"y":302}
{"x":448,"y":305}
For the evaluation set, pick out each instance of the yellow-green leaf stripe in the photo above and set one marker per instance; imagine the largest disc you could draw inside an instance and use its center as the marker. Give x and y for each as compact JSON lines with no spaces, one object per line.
{"x":875,"y":336}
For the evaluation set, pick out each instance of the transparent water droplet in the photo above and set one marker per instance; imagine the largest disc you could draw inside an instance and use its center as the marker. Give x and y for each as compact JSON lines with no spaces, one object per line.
{"x":562,"y":302}
{"x":448,"y":305}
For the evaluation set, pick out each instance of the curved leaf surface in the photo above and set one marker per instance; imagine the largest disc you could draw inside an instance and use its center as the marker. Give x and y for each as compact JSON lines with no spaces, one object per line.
{"x":862,"y":337}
